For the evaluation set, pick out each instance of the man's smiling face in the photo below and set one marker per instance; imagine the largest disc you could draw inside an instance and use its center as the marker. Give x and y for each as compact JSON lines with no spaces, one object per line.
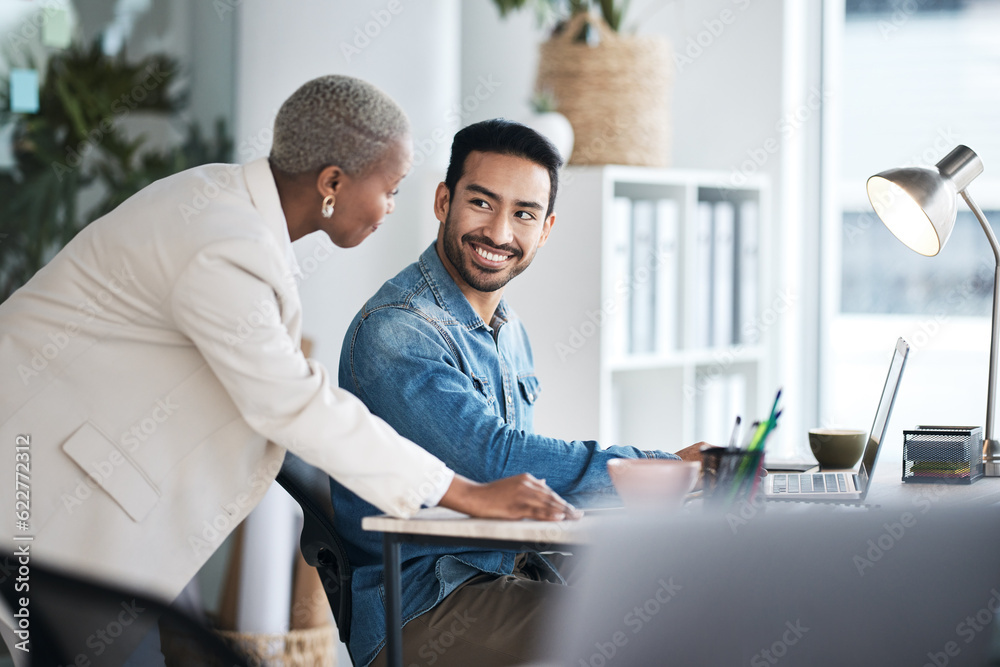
{"x":496,"y":221}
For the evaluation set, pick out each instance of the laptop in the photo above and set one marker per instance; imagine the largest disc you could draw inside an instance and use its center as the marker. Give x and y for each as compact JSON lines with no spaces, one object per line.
{"x":845,"y":486}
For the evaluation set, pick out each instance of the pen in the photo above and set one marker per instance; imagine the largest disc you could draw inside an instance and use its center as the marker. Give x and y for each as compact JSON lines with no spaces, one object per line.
{"x":774,"y":407}
{"x":750,"y":433}
{"x":766,"y":428}
{"x":735,"y":435}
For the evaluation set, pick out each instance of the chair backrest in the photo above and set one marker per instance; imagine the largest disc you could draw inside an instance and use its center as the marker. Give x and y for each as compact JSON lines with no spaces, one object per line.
{"x":321,"y":547}
{"x":71,"y":621}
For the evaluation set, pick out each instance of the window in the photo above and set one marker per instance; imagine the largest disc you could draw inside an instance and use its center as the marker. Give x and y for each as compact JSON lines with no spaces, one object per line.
{"x":916,"y":78}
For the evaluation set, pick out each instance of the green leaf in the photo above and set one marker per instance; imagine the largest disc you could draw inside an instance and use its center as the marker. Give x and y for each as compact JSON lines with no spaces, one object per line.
{"x":83,"y":98}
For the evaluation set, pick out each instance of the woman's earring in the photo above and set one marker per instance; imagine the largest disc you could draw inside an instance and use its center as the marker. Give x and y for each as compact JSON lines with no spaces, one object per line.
{"x":328,"y":203}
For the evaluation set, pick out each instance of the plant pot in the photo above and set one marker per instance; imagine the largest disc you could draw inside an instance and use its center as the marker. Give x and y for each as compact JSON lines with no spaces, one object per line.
{"x":556,"y":128}
{"x":313,"y":647}
{"x":616,"y":93}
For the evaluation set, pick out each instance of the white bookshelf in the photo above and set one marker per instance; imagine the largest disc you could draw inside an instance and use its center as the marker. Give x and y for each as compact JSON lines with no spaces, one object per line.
{"x":656,"y":400}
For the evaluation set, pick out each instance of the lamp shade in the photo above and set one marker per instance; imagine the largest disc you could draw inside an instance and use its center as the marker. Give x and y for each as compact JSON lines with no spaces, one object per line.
{"x":918,"y":204}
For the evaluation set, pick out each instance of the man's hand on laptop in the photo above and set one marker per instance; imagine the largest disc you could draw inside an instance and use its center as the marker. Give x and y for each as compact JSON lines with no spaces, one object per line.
{"x":692,"y":453}
{"x":519,"y":497}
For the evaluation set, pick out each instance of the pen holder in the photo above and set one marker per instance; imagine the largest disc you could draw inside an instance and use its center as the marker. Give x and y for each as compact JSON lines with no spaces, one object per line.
{"x":943,"y":454}
{"x":730,"y":476}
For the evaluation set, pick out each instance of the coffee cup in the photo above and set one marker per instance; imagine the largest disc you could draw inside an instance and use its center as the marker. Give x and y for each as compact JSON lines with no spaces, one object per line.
{"x":837,"y":448}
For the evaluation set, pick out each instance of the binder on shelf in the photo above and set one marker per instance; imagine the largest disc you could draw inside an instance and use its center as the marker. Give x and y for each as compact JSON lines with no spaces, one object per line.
{"x":723,"y":275}
{"x":667,"y":271}
{"x":748,"y":269}
{"x":621,"y":222}
{"x":736,"y":395}
{"x":642,"y":276}
{"x":711,"y":408}
{"x":703,"y":276}
{"x":720,"y":398}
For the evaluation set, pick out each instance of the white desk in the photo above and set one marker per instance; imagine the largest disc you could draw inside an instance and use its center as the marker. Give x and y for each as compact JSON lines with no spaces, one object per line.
{"x":888,"y":487}
{"x":442,"y":526}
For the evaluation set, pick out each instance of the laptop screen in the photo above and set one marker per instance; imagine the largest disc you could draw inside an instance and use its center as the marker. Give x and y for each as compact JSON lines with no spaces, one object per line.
{"x":884,"y":409}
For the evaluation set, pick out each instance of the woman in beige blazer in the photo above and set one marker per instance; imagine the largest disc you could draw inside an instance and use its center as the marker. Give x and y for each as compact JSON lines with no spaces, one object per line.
{"x":151,"y":372}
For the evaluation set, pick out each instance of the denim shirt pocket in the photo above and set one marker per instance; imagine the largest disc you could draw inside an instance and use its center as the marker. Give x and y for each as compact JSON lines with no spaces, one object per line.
{"x":482,"y":385}
{"x":530,"y":387}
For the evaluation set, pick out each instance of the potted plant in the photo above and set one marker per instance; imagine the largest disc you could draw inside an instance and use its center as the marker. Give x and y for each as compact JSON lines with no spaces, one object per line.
{"x":613,"y":12}
{"x":551,"y":124}
{"x":614,"y":88}
{"x":77,"y":143}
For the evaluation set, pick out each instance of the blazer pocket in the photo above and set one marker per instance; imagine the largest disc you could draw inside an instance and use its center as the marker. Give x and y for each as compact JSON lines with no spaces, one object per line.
{"x":101,"y":459}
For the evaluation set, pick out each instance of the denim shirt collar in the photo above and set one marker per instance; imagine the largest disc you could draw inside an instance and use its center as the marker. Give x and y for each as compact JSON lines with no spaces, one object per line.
{"x":450,"y":297}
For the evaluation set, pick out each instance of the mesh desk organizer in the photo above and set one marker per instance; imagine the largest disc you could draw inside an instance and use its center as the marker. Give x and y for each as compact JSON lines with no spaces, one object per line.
{"x":943,"y":454}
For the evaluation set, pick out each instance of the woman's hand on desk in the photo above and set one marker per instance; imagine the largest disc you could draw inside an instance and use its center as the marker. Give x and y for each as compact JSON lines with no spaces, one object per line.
{"x":519,"y":497}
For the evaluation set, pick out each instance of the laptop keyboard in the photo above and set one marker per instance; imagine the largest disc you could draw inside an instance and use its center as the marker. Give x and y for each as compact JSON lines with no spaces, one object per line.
{"x":814,"y":483}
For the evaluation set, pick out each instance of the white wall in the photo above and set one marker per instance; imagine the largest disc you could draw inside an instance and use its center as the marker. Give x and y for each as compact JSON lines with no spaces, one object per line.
{"x":731,"y":97}
{"x":741,"y":104}
{"x":414,"y":58}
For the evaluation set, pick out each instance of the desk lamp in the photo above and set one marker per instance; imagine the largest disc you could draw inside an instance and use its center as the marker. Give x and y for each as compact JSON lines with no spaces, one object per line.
{"x":919,"y":206}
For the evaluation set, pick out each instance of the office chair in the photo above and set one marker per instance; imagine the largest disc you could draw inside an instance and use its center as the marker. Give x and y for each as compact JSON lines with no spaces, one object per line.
{"x":321,"y":547}
{"x":69,"y":617}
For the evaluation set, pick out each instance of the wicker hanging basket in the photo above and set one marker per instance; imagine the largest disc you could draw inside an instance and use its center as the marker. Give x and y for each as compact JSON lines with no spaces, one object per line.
{"x":313,"y":647}
{"x":616,"y":94}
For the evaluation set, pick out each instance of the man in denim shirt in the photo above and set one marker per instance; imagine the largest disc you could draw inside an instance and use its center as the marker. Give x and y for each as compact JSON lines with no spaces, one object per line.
{"x":442,"y":358}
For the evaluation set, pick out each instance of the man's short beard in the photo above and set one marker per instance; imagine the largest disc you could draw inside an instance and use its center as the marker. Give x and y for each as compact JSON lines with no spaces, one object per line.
{"x":490,"y":282}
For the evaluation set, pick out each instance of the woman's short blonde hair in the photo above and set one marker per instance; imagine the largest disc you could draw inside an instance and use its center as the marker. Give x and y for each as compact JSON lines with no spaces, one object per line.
{"x":335,"y":120}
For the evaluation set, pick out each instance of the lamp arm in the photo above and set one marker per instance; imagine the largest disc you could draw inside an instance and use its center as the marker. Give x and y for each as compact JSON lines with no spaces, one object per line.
{"x":996,"y":317}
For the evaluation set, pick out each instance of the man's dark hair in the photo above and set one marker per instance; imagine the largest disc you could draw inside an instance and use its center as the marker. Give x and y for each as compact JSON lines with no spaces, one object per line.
{"x":507,"y":138}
